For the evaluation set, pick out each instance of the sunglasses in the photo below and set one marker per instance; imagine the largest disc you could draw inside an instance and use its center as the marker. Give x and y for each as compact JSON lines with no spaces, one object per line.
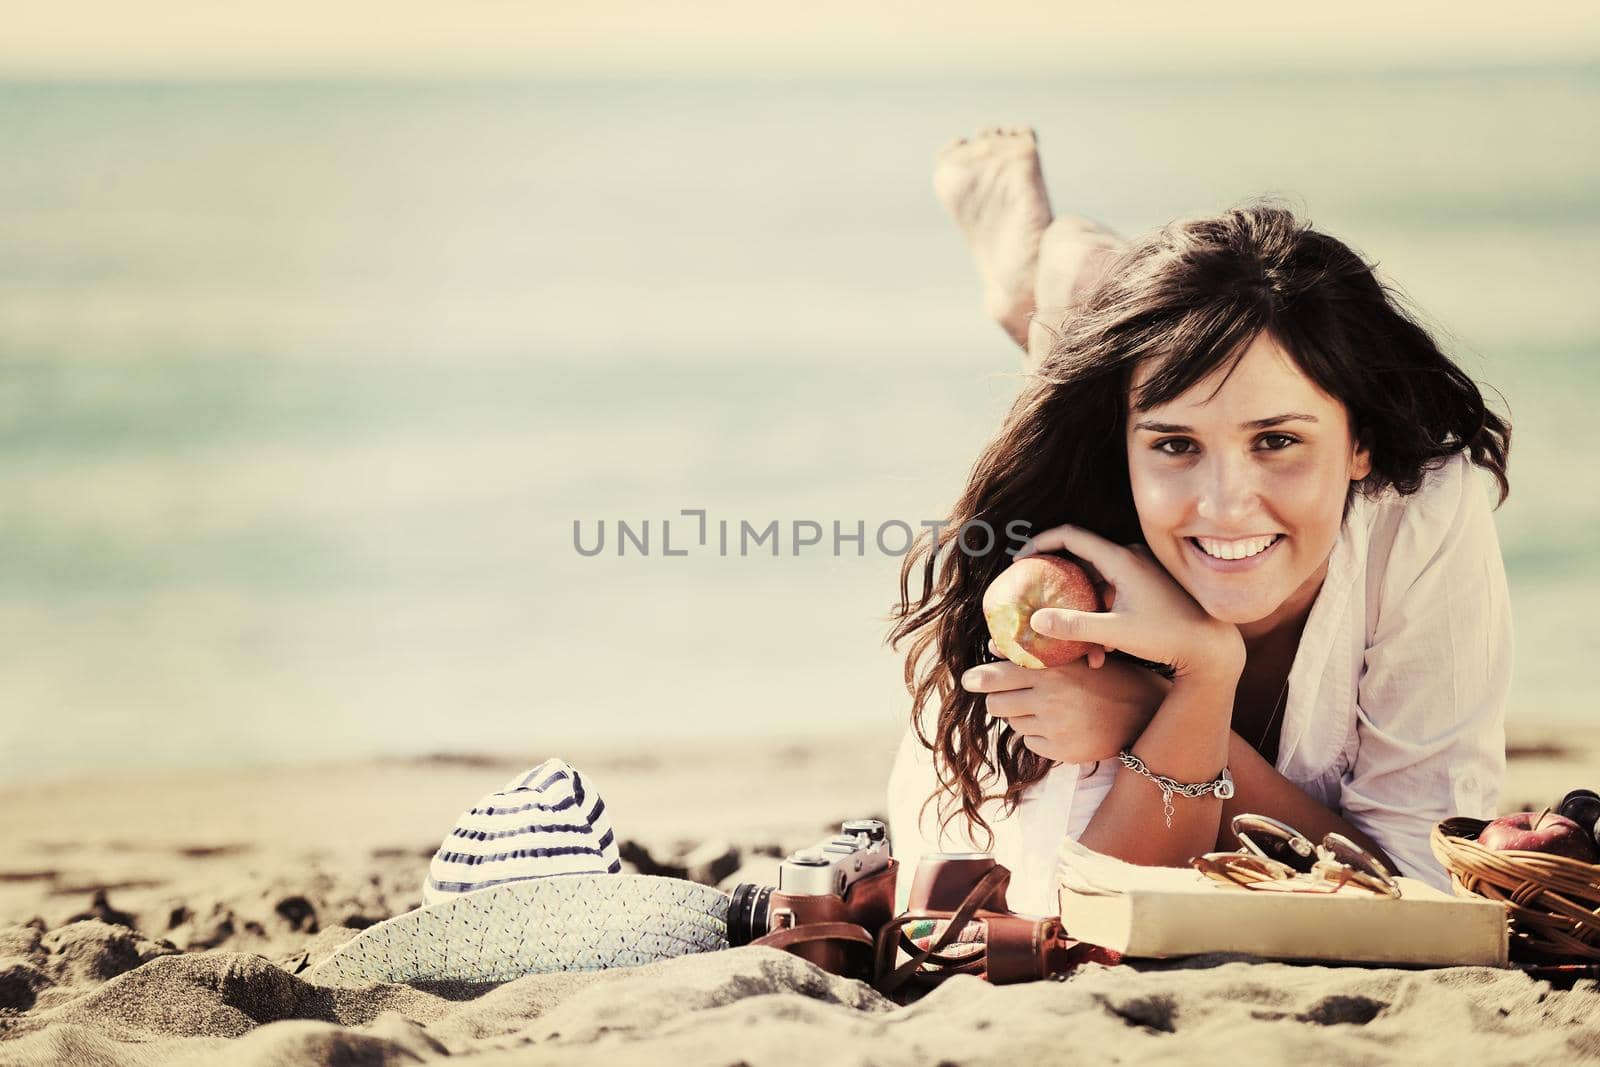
{"x":1275,"y":856}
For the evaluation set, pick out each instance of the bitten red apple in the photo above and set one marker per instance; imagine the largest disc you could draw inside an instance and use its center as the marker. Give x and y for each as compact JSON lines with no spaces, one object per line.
{"x":1031,"y":583}
{"x":1533,"y":831}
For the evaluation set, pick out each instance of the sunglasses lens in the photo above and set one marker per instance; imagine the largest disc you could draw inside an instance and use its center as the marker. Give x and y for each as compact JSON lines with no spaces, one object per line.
{"x":1273,"y":841}
{"x":1242,"y":869}
{"x":1358,"y":859}
{"x":1211,"y":867}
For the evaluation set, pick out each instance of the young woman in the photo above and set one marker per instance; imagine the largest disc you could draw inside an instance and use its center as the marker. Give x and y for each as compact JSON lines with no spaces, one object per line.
{"x":1275,"y":472}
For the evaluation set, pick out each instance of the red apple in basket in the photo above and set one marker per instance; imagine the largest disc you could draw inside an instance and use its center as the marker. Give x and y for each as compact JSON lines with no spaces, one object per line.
{"x":1031,"y":583}
{"x":1534,"y":831}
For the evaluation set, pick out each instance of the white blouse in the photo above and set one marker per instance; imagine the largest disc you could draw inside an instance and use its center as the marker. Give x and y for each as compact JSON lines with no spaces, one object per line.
{"x":1396,"y":709}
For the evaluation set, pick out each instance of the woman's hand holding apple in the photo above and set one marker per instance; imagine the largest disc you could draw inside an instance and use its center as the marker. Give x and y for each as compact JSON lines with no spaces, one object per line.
{"x":1073,"y":713}
{"x":1149,"y":614}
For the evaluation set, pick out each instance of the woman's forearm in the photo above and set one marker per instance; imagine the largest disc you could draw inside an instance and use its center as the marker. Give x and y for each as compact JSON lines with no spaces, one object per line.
{"x":1260,"y":790}
{"x":1188,"y":740}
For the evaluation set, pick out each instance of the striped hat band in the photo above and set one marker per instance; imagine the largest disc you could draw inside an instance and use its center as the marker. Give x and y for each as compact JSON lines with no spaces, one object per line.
{"x":543,"y":822}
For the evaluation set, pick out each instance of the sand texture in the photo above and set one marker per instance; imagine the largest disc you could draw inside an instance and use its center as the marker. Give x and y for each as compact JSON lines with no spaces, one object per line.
{"x":168,"y":921}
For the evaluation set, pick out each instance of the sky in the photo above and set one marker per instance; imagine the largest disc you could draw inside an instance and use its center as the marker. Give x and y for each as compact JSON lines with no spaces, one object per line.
{"x":204,"y":38}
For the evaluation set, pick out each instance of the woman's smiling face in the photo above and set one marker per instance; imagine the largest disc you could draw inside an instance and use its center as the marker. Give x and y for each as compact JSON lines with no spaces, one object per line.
{"x":1257,"y":469}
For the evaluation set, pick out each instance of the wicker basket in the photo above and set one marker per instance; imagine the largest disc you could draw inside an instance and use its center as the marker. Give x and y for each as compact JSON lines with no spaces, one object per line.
{"x":1554,"y":902}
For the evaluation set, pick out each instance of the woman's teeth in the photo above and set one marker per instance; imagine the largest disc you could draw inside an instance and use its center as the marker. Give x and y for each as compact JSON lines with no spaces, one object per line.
{"x":1236,"y":549}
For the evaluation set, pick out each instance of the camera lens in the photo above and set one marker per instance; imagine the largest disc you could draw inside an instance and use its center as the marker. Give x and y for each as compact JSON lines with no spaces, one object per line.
{"x":747,"y":913}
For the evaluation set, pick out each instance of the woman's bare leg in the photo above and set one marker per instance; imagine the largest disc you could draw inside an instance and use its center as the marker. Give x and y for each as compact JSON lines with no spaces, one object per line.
{"x":1032,"y":268}
{"x":1072,"y":255}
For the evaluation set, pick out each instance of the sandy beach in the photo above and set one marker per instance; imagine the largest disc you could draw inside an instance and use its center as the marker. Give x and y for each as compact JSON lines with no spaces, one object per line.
{"x":165,"y":920}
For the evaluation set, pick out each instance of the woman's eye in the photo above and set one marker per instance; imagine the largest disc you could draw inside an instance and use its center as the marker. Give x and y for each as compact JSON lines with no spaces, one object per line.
{"x":1182,"y":446}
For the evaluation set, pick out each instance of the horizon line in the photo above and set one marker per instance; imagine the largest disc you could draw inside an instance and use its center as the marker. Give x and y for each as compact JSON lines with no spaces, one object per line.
{"x":1586,"y":61}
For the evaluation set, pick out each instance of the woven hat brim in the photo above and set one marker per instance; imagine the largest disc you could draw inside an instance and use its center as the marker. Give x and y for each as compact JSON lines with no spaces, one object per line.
{"x":574,"y":922}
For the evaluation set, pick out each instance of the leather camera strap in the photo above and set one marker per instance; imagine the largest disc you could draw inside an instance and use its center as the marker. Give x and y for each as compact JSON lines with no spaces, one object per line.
{"x":888,"y":941}
{"x":807,"y":932}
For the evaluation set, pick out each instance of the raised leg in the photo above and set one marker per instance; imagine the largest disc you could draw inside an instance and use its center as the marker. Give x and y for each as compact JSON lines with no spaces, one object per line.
{"x":991,"y":185}
{"x":1032,"y":268}
{"x":1072,"y":255}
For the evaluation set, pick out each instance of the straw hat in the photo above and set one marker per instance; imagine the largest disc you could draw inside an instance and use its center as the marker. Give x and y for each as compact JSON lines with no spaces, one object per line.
{"x":529,"y":881}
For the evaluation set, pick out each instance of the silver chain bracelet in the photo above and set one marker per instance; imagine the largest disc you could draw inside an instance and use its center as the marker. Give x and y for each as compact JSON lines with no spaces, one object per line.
{"x":1221,"y":787}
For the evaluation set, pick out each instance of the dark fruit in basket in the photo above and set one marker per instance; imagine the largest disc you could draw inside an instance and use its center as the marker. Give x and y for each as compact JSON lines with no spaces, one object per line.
{"x":1582,"y":806}
{"x":1539,"y":831}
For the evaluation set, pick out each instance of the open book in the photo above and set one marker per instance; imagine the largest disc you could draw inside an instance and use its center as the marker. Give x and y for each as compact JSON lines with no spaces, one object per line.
{"x":1177,"y":911}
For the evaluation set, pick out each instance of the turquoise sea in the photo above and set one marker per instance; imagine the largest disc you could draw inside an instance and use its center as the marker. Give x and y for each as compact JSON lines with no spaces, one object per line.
{"x":303,"y":385}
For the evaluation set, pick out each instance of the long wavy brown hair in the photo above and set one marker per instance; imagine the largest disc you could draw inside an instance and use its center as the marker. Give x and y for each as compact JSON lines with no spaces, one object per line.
{"x":1191,"y":296}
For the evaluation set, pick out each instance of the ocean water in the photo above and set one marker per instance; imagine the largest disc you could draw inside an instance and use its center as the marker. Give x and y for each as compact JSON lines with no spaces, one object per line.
{"x":304,"y":385}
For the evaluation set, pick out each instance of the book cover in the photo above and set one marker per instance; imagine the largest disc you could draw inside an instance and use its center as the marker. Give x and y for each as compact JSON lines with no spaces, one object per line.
{"x":1177,"y":911}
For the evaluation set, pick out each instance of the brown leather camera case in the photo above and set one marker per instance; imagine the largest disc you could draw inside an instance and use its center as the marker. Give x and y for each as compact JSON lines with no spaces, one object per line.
{"x":868,"y":904}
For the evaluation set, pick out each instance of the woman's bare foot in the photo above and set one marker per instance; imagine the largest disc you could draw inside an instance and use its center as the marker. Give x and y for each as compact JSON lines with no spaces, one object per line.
{"x":991,"y":184}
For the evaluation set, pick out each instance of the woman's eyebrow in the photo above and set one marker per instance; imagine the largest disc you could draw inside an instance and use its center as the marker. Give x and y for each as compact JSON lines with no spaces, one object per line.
{"x":1253,"y":424}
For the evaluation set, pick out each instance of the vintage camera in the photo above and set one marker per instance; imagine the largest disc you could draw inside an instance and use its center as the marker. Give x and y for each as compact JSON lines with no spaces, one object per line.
{"x":846,"y":878}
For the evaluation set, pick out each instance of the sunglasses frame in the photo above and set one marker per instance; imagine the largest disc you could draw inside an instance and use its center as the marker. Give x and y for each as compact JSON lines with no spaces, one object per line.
{"x":1327,"y":872}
